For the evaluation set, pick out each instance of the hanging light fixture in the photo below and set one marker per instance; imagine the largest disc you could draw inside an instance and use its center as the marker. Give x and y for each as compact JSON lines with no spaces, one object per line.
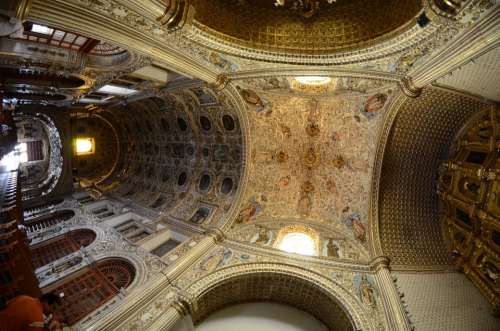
{"x":306,"y":8}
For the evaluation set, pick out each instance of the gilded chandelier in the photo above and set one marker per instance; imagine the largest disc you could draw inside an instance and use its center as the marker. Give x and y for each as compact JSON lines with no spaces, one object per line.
{"x":306,"y":8}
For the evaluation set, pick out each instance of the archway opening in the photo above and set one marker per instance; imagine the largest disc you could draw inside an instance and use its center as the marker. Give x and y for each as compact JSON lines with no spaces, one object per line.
{"x":262,"y":316}
{"x":89,"y":289}
{"x":61,"y":246}
{"x":273,"y":287}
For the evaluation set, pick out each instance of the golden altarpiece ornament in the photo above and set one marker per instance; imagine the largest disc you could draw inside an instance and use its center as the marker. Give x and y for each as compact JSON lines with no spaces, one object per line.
{"x":469,"y":188}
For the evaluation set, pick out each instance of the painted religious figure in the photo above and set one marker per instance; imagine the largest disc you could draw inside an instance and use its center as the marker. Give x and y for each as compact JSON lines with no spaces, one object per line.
{"x":365,"y":288}
{"x":221,"y":62}
{"x":263,"y":237}
{"x":332,"y":248}
{"x":373,"y":104}
{"x":249,"y":211}
{"x":217,"y":259}
{"x":357,"y":227}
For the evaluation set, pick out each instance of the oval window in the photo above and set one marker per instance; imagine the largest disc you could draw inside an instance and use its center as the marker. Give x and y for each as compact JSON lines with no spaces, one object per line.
{"x":227,"y":185}
{"x":228,"y":122}
{"x":205,"y":123}
{"x":164,"y":124}
{"x":204,"y":182}
{"x":182,"y":179}
{"x":182,"y":124}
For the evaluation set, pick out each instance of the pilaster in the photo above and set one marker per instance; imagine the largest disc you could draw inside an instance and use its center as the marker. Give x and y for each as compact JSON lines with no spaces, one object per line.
{"x":396,"y":317}
{"x":476,"y":40}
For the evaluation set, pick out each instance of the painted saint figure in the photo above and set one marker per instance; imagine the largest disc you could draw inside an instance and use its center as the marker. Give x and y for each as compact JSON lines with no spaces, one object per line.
{"x":332,"y":249}
{"x":367,"y":295}
{"x":357,"y":227}
{"x":374,"y":104}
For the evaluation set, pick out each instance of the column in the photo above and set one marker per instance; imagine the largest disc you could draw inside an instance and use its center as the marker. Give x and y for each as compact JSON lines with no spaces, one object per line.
{"x":213,"y":237}
{"x":93,"y":22}
{"x":173,"y":317}
{"x":395,"y":314}
{"x":474,"y":41}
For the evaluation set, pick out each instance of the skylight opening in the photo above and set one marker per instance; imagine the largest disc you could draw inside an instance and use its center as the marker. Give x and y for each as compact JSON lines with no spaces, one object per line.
{"x":42,"y":29}
{"x":313,"y":80}
{"x":84,"y":146}
{"x":299,"y":243}
{"x":116,"y":90}
{"x":12,"y":160}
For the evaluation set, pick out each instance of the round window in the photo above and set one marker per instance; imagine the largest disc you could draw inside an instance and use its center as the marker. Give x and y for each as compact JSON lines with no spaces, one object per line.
{"x":204,"y":182}
{"x":205,"y":123}
{"x":182,"y":124}
{"x":227,"y":185}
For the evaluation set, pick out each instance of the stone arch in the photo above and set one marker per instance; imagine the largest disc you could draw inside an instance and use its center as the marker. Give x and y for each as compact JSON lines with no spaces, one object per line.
{"x":61,"y":246}
{"x":92,"y":287}
{"x":329,"y":302}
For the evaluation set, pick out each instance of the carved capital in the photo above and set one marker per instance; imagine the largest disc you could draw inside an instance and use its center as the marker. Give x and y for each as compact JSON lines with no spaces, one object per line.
{"x":446,"y":8}
{"x":182,"y":305}
{"x":220,"y":83}
{"x":176,"y":14}
{"x":380,"y":262}
{"x":409,"y":88}
{"x":217,"y":234}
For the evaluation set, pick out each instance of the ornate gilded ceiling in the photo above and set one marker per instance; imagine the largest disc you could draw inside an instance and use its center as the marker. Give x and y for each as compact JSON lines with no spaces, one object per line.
{"x":416,"y":140}
{"x":346,"y":24}
{"x":311,"y":158}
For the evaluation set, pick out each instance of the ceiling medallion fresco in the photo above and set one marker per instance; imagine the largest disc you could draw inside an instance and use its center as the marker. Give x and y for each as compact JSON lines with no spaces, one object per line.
{"x":312,"y":158}
{"x":303,"y":27}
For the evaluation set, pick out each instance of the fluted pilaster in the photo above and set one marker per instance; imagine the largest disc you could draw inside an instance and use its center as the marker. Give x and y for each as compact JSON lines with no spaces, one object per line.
{"x":395,"y":314}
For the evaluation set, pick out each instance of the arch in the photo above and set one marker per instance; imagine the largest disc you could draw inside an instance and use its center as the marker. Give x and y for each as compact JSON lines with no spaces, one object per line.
{"x":330,"y":303}
{"x":416,"y":135}
{"x":92,"y":287}
{"x":54,"y":249}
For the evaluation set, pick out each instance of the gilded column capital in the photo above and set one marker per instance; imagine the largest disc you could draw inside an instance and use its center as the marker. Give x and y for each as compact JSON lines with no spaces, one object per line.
{"x":380,"y":262}
{"x":443,"y":9}
{"x":409,"y":88}
{"x":176,"y":14}
{"x":182,"y":305}
{"x":216,"y":233}
{"x":220,"y":82}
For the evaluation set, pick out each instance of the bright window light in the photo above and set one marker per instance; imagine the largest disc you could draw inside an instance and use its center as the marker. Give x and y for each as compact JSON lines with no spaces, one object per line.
{"x":297,"y":242}
{"x":116,"y":90}
{"x":84,"y":146}
{"x":313,"y":80}
{"x":12,"y":160}
{"x":23,"y":152}
{"x":37,"y":28}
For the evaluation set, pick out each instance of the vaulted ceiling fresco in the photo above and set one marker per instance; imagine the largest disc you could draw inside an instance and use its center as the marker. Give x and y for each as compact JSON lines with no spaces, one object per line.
{"x":312,"y":153}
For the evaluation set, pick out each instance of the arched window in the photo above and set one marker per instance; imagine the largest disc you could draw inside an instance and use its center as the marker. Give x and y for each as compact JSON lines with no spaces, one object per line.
{"x":91,"y":288}
{"x":61,"y":246}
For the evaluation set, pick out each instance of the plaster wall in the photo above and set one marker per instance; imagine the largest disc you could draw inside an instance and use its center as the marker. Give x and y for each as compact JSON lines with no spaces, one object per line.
{"x":262,"y":317}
